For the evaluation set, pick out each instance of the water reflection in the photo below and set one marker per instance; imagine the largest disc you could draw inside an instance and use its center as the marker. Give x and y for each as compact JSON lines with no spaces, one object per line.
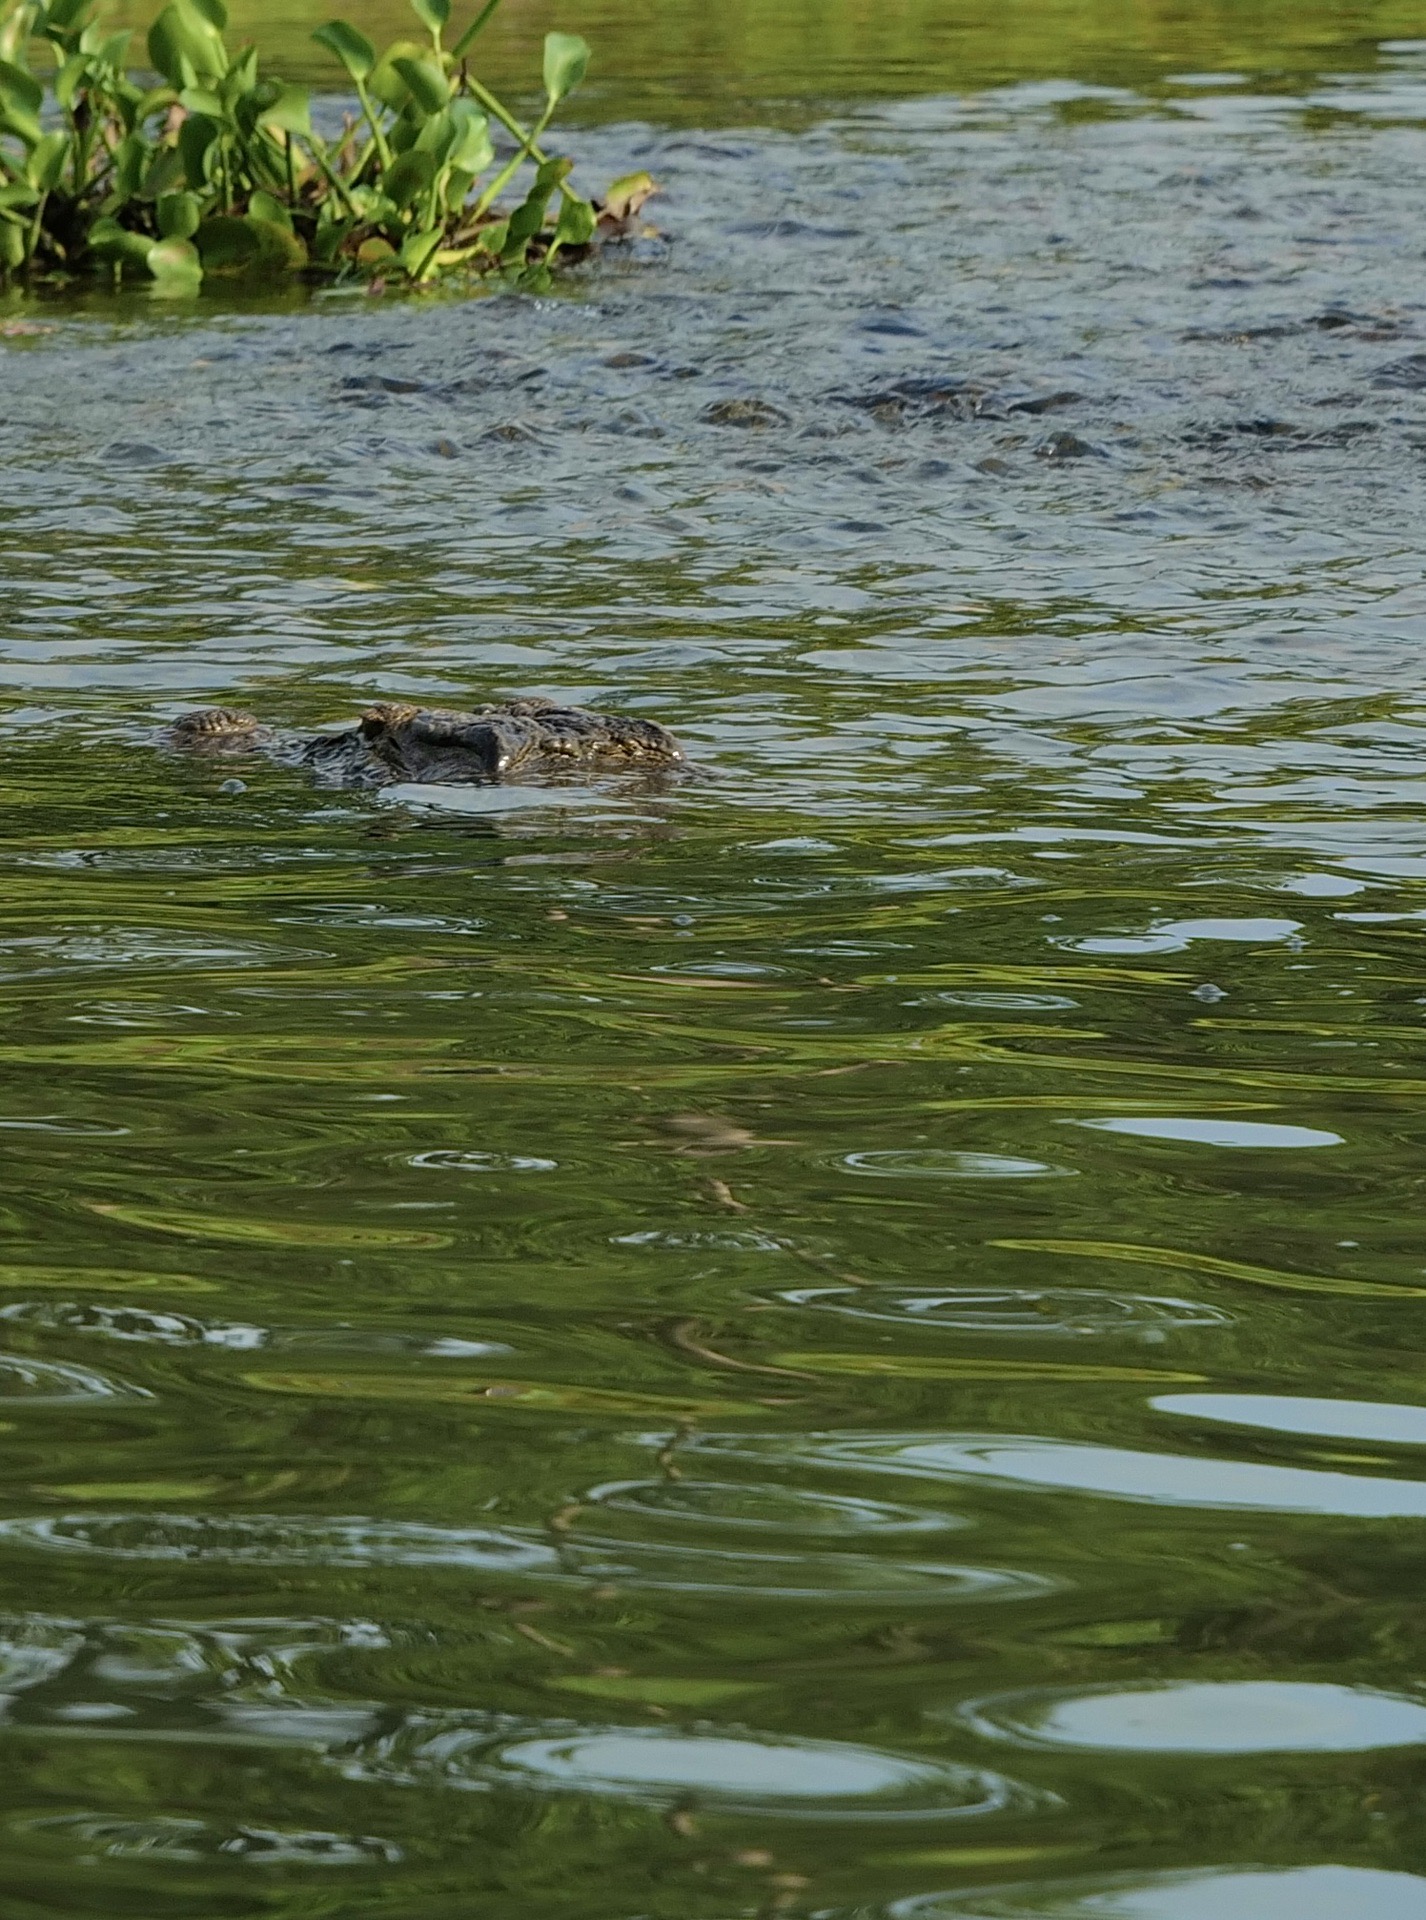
{"x":274,"y":1540}
{"x":727,"y":1770}
{"x":1115,"y":1473}
{"x":48,"y":1383}
{"x":1371,"y":1420}
{"x":1217,"y":1132}
{"x":1226,"y":1893}
{"x":1228,"y":1716}
{"x":90,"y":1839}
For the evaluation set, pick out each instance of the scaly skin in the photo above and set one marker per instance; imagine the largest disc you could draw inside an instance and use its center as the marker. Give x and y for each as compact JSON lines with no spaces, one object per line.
{"x":529,"y":739}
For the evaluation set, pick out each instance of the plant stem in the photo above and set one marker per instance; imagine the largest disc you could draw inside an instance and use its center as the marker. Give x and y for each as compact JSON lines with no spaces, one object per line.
{"x":474,"y":28}
{"x":383,"y":151}
{"x":34,"y":239}
{"x":529,"y":145}
{"x":529,"y":142}
{"x":334,"y":180}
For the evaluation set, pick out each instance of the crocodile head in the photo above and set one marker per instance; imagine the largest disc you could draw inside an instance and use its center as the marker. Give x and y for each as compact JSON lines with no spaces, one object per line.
{"x":217,"y":730}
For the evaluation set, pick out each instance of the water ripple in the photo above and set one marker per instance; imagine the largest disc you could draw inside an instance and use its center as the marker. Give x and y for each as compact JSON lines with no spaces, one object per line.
{"x":1032,"y":1312}
{"x":1226,"y":1716}
{"x":1071,"y":1466}
{"x":725,"y":1769}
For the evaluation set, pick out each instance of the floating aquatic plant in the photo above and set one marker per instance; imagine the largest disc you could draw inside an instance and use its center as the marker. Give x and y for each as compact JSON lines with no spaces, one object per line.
{"x":206,"y":165}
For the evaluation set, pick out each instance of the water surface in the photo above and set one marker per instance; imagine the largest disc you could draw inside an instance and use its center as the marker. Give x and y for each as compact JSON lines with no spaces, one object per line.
{"x":839,"y":1339}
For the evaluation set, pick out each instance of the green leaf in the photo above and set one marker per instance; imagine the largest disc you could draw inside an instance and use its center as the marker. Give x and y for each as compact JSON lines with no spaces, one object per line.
{"x":130,"y":158}
{"x":20,"y":194}
{"x":197,"y":138}
{"x":62,"y":16}
{"x":12,"y":245}
{"x":433,"y":14}
{"x":175,"y":265}
{"x":576,"y":224}
{"x":203,"y":100}
{"x":353,"y":49}
{"x":232,"y":243}
{"x":264,"y":206}
{"x":408,"y":175}
{"x":156,"y":100}
{"x":566,"y":58}
{"x":67,"y":81}
{"x":291,"y":112}
{"x":165,"y":173}
{"x":472,"y":151}
{"x":185,"y":46}
{"x":241,"y":77}
{"x":623,"y":197}
{"x":527,"y":219}
{"x":429,"y":89}
{"x":178,"y":215}
{"x":386,"y":83}
{"x":214,"y":12}
{"x":23,"y":125}
{"x":46,"y":162}
{"x":418,"y":250}
{"x":20,"y":89}
{"x":113,"y":242}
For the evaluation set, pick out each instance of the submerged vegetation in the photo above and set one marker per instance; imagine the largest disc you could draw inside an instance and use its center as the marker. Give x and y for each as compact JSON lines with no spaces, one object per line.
{"x":207,"y":165}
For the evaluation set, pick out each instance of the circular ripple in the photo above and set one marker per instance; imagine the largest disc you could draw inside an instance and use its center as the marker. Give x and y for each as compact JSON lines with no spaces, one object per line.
{"x":795,"y":1576}
{"x":1230,"y":1716}
{"x":728,"y":1769}
{"x":455,"y":1160}
{"x":1036,"y":1312}
{"x":1245,"y":1893}
{"x":934,"y":1163}
{"x":49,"y":1383}
{"x":729,"y":1503}
{"x":1004,"y":1002}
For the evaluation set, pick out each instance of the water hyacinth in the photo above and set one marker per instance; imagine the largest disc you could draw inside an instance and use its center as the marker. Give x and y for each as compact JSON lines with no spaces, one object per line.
{"x":216,"y":168}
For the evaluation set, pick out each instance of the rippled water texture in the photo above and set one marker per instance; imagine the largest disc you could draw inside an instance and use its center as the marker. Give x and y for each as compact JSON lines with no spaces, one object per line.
{"x":843,"y":1339}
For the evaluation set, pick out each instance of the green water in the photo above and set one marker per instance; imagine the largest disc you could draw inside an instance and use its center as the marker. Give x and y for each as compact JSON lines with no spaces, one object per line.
{"x":687,"y":64}
{"x":844,"y":1339}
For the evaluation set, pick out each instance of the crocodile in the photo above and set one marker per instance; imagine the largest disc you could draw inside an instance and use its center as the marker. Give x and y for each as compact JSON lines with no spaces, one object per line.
{"x":529,"y":739}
